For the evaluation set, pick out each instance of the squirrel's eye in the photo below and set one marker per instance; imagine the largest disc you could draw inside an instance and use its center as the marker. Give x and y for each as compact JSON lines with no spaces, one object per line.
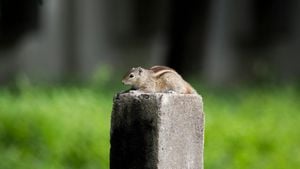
{"x":131,"y":76}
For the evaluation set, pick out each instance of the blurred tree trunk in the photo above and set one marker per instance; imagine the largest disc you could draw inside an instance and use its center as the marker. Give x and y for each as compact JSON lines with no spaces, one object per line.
{"x":287,"y":58}
{"x":52,"y":58}
{"x":144,"y":41}
{"x":17,"y":18}
{"x":8,"y":64}
{"x":267,"y":50}
{"x":221,"y":60}
{"x":188,"y":26}
{"x":228,"y":41}
{"x":120,"y":34}
{"x":94,"y":46}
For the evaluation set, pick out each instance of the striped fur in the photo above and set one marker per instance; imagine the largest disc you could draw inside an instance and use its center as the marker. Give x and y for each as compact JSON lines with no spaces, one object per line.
{"x":160,"y":70}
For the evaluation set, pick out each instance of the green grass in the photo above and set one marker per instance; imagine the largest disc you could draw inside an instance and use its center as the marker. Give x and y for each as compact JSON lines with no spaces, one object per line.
{"x":257,"y":128}
{"x":68,"y":127}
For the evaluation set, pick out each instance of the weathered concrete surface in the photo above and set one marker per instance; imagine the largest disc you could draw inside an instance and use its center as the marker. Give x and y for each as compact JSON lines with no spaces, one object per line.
{"x":157,"y":131}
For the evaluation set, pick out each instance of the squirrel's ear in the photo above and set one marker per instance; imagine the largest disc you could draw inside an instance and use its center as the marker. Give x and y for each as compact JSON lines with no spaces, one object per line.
{"x":140,"y":70}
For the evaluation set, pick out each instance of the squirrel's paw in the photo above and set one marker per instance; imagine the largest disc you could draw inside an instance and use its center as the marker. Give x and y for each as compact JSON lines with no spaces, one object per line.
{"x":171,"y":91}
{"x":134,"y":91}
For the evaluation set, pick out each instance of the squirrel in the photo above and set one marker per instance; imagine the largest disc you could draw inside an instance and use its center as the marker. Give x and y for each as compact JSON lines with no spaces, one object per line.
{"x":157,"y":79}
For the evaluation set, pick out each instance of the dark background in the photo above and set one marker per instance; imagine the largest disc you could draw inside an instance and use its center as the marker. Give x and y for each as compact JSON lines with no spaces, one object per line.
{"x":62,"y":61}
{"x":219,"y":42}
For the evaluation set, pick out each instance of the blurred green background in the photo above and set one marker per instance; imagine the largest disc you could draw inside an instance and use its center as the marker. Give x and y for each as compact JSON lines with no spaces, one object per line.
{"x":62,"y":61}
{"x":68,"y":127}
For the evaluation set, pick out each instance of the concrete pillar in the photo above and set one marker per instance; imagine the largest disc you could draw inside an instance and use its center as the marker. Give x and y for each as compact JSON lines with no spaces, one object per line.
{"x":157,"y":131}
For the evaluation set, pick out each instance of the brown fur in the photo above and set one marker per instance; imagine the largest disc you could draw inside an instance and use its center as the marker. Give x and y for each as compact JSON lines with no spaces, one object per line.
{"x":160,"y":70}
{"x":157,"y":79}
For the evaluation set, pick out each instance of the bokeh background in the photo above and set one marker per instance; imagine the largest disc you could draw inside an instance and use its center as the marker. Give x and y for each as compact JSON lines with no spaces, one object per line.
{"x":61,"y":62}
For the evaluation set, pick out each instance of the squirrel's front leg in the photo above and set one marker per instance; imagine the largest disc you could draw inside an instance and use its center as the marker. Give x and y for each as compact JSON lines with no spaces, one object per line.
{"x":170,"y":91}
{"x":131,"y":90}
{"x":135,"y":91}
